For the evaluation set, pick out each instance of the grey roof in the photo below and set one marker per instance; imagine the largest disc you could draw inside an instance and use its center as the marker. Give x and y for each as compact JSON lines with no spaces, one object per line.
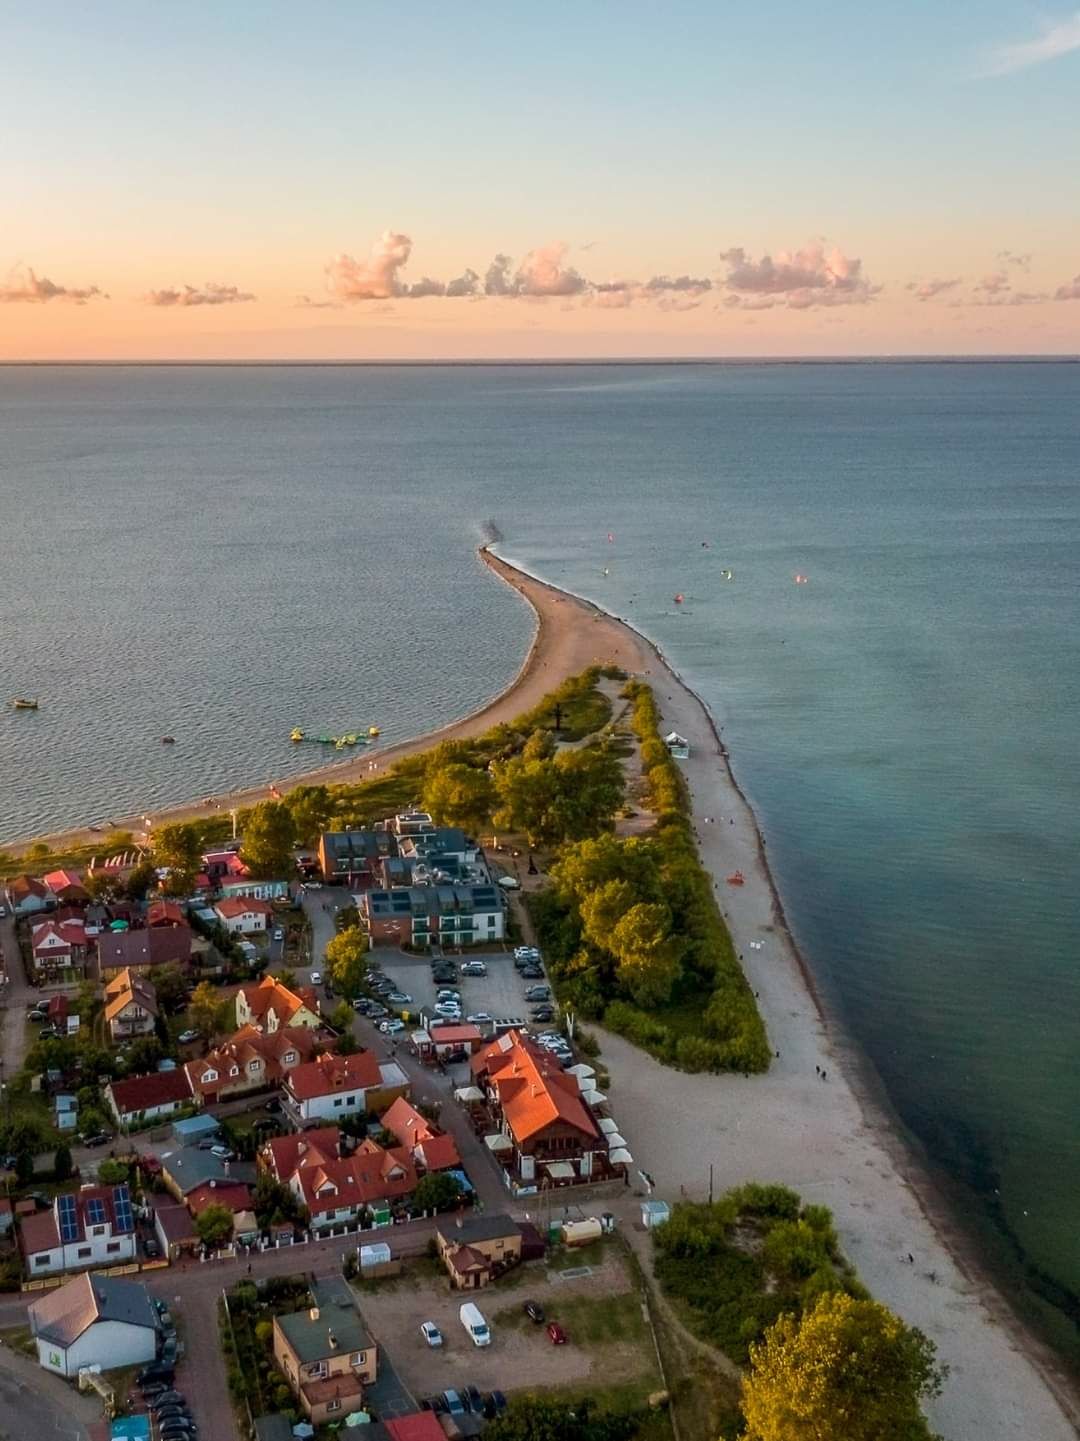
{"x":477,"y":1228}
{"x":310,"y":1339}
{"x":63,"y":1315}
{"x":189,"y":1167}
{"x":273,"y":1428}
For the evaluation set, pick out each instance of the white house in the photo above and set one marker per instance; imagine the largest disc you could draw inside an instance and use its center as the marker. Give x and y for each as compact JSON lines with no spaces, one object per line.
{"x":242,"y":916}
{"x":94,"y":1226}
{"x":139,"y":1100}
{"x":331,"y":1087}
{"x":94,"y":1321}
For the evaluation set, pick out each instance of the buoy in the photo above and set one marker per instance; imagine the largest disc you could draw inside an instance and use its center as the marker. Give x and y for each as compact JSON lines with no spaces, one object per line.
{"x":679,"y":599}
{"x":801,"y":579}
{"x":373,"y":730}
{"x":168,"y":740}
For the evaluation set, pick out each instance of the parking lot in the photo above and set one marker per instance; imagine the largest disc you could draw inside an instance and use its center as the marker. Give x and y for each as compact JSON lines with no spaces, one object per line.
{"x":501,"y":993}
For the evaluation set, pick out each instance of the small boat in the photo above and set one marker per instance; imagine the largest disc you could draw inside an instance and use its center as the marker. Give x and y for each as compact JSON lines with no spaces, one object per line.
{"x":21,"y":703}
{"x":373,"y":731}
{"x":168,"y":740}
{"x":296,"y":734}
{"x":679,"y":598}
{"x":736,"y":879}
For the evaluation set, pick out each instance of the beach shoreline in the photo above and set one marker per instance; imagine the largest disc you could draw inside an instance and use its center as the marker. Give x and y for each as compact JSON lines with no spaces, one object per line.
{"x":835,"y":1140}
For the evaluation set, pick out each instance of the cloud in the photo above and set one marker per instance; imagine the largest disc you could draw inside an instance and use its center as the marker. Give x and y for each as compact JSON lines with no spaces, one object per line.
{"x":1054,"y":42}
{"x":994,"y":299}
{"x":928,"y":289}
{"x":542,"y":273}
{"x":24,"y":287}
{"x":995,"y":283}
{"x":305,"y":302}
{"x":1071,"y":291}
{"x":466,"y":284}
{"x":423,"y":288}
{"x":1021,"y":260}
{"x":375,"y":278}
{"x":208,"y":294}
{"x":801,"y":279}
{"x":497,"y":278}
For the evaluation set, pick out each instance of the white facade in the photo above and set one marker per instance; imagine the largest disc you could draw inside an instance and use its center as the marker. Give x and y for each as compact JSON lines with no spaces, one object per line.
{"x":100,"y":1248}
{"x":247,"y":923}
{"x":108,"y":1344}
{"x":331,"y":1108}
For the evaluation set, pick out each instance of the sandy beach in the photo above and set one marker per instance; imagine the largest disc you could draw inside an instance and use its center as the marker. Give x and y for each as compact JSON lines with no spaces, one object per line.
{"x":824,"y":1137}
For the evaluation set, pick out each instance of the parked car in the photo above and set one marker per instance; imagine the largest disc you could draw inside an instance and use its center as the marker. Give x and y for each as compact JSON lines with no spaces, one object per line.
{"x":151,"y":1247}
{"x":155,"y":1375}
{"x":376,"y":1013}
{"x":531,"y":973}
{"x":542,"y":1014}
{"x":431,"y":1333}
{"x":101,"y":1138}
{"x":435,"y":1404}
{"x":186,"y":1037}
{"x":361,"y":1005}
{"x":223,"y":1153}
{"x":448,"y":1011}
{"x":556,"y":1335}
{"x":454,"y":1404}
{"x":447,"y":993}
{"x":494,"y":1404}
{"x":400,"y":998}
{"x":391,"y":1027}
{"x":525,"y":951}
{"x":474,"y":968}
{"x":538,"y":993}
{"x":471,"y":1396}
{"x":278,"y":934}
{"x":316,"y":978}
{"x":167,"y":1398}
{"x":534,"y":1311}
{"x":479,"y":1018}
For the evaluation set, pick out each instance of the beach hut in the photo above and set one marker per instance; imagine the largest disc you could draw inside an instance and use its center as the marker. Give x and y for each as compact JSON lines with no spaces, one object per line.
{"x":654,"y":1213}
{"x":678,"y":746}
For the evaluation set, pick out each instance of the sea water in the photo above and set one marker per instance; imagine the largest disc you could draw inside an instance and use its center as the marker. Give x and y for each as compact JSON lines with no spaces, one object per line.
{"x":221,"y":554}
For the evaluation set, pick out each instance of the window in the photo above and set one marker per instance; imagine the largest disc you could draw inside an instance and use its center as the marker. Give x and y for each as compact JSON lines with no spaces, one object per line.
{"x":317,"y":1368}
{"x":97,"y":1231}
{"x":334,"y":1405}
{"x":337,"y":1101}
{"x":350,"y":1100}
{"x":357,"y":1358}
{"x":41,"y":1260}
{"x":84,"y":1251}
{"x":113,"y":1247}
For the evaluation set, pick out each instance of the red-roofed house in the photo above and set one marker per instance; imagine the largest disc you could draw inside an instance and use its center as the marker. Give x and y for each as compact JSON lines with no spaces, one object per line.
{"x":235,"y":1196}
{"x":165,"y":913}
{"x":243,"y":917}
{"x":93,"y":1226}
{"x":337,"y":1193}
{"x":542,"y":1111}
{"x":250,"y":1061}
{"x":282,"y":1155}
{"x":58,"y":945}
{"x":419,"y":1426}
{"x":431,"y":1148}
{"x":142,"y":1099}
{"x":270,"y":1005}
{"x":26,"y":896}
{"x":219,"y":864}
{"x":67,"y":887}
{"x":331,"y":1087}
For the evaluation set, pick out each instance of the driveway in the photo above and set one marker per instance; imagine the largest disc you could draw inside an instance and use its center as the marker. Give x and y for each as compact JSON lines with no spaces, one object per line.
{"x":34,"y":1403}
{"x":501,"y":993}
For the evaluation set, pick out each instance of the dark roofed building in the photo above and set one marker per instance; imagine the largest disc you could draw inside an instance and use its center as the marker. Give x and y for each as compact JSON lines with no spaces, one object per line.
{"x":140,"y":950}
{"x":354,"y":856}
{"x":327,"y":1356}
{"x":94,"y":1321}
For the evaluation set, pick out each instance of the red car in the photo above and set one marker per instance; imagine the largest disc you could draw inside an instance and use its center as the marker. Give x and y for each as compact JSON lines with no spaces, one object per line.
{"x":556,"y":1335}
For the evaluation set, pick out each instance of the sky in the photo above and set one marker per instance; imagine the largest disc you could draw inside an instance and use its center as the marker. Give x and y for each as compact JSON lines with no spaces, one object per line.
{"x":359,"y":180}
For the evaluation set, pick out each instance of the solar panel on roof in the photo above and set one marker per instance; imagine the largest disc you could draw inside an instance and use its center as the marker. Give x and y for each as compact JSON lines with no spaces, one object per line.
{"x":125,"y":1221}
{"x":95,"y":1211}
{"x":69,"y":1220}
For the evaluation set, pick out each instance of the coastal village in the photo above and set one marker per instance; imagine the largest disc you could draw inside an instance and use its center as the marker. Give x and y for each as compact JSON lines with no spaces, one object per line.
{"x":307,"y":1130}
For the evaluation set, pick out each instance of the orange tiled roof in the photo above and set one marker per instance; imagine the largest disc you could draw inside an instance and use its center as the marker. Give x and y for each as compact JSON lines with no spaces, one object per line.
{"x":438,"y":1151}
{"x":369,"y":1174}
{"x":532,"y":1089}
{"x":331,"y":1073}
{"x":302,"y":1148}
{"x":233,"y":906}
{"x":271,"y":995}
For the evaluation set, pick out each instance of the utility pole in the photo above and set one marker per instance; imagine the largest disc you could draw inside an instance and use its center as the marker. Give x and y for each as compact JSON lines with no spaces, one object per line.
{"x":710,"y":1182}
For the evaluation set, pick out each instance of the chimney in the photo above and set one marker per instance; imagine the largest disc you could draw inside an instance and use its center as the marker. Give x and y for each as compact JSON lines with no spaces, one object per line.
{"x":313,"y":1314}
{"x":332,"y":1339}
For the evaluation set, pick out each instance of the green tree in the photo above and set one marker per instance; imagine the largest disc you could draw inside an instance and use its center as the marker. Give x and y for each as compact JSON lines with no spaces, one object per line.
{"x":848,"y":1370}
{"x":269,"y":837}
{"x":566,"y":797}
{"x":437,"y":1191}
{"x":208,"y":1011}
{"x":101,"y":885}
{"x":113,"y":1173}
{"x":647,"y":952}
{"x":345,"y":961}
{"x":272,"y":1202}
{"x":341,"y":1017}
{"x":144,"y":1053}
{"x":541,"y":1418}
{"x":141,"y":880}
{"x":62,"y":1163}
{"x":214,"y":1226}
{"x":178,"y":849}
{"x":460,"y":795}
{"x":604,"y":908}
{"x":24,"y":1168}
{"x":311,"y":808}
{"x":92,"y":1121}
{"x":347,"y":1044}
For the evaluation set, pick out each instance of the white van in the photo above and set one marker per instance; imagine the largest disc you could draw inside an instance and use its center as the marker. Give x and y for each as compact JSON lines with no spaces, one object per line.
{"x":475,"y":1324}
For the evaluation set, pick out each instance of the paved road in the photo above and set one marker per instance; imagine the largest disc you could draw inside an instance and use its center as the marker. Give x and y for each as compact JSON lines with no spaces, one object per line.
{"x":18,"y":993}
{"x":38,"y":1406}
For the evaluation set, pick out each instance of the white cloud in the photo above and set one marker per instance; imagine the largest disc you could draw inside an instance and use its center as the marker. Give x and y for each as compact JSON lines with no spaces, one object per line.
{"x":800,"y":279}
{"x":208,"y":294}
{"x":929,"y":289}
{"x":1055,"y":41}
{"x":375,"y":278}
{"x":24,"y":287}
{"x":1069,"y":291}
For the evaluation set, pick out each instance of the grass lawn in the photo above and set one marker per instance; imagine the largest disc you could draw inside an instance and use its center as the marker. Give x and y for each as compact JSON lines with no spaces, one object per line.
{"x":564,"y":1258}
{"x":19,"y":1339}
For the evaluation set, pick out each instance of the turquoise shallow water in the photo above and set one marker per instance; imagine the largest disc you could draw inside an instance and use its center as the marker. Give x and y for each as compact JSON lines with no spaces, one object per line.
{"x":221,"y":554}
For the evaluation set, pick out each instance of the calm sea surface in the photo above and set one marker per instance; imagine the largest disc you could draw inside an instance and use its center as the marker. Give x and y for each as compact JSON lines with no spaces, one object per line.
{"x":222,"y":554}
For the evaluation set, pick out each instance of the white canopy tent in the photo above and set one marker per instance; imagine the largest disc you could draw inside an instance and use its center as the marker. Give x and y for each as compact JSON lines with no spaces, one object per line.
{"x":621,"y":1157}
{"x":607,"y":1125}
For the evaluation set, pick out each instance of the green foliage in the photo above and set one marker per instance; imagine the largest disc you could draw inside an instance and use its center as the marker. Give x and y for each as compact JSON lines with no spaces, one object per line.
{"x":113,"y":1173}
{"x":269,"y":837}
{"x":345,"y":961}
{"x":544,"y":1418}
{"x":273,"y":1202}
{"x":170,"y":985}
{"x":101,"y":885}
{"x":62,"y":1163}
{"x":141,"y":880}
{"x":178,"y":848}
{"x":143,"y":1054}
{"x":311,"y":808}
{"x":846,"y":1369}
{"x":24,"y":1168}
{"x":341,"y":1017}
{"x":738,"y":1265}
{"x":570,"y":795}
{"x":214,"y":1226}
{"x":437,"y":1191}
{"x":459,"y":795}
{"x":209,"y":1014}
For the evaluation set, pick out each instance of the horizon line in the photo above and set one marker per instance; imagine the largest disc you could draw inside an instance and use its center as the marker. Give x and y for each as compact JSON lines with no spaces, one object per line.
{"x":871,"y":358}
